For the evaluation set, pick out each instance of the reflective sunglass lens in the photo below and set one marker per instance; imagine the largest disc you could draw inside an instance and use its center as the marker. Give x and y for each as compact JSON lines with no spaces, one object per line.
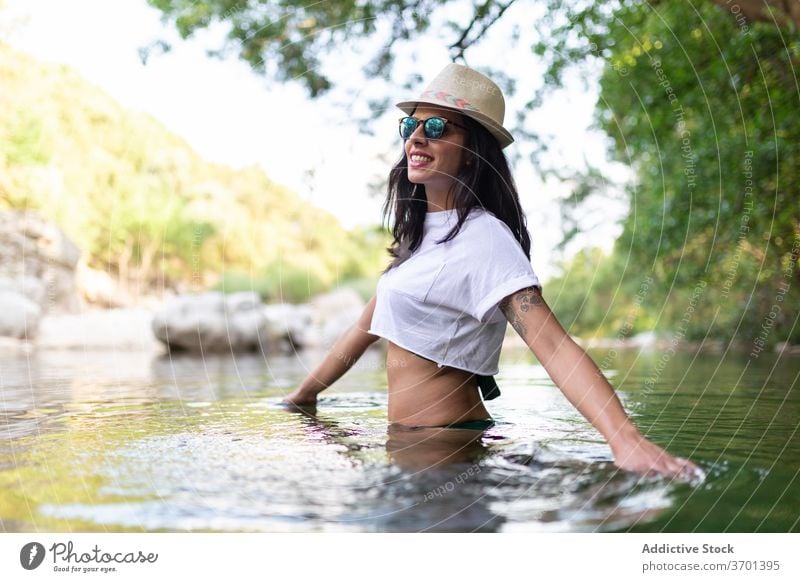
{"x":407,"y":127}
{"x":434,"y":127}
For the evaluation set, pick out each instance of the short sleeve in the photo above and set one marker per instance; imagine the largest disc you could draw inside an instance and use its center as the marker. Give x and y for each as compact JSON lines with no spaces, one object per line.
{"x":501,"y":268}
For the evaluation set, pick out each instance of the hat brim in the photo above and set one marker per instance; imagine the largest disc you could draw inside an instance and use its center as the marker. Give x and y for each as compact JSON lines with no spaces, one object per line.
{"x":500,"y":133}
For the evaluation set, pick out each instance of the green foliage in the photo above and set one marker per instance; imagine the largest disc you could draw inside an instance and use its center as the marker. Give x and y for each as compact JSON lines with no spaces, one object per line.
{"x":701,"y":104}
{"x":592,"y":296}
{"x":279,"y":283}
{"x":704,"y":111}
{"x":276,"y":283}
{"x":142,"y":204}
{"x":27,"y":141}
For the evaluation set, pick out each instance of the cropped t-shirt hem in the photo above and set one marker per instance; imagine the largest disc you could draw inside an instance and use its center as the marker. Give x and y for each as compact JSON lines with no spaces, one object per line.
{"x":433,"y":358}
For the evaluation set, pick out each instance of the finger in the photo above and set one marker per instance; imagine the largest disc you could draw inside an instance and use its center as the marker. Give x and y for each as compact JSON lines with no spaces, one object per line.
{"x":690,"y":470}
{"x":688,"y":465}
{"x":696,"y":472}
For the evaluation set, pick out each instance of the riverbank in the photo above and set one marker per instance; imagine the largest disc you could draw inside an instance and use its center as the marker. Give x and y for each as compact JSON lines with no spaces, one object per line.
{"x":652,"y":342}
{"x":130,"y":329}
{"x":95,"y":329}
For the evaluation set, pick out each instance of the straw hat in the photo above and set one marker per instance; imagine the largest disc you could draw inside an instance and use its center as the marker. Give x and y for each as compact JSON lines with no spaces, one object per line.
{"x":471,"y":94}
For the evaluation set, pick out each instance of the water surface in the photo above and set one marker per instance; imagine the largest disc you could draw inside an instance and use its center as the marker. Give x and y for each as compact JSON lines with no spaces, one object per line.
{"x":110,"y":441}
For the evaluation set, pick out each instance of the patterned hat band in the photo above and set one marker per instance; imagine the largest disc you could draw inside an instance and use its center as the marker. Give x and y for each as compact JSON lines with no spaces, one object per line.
{"x":451,"y":100}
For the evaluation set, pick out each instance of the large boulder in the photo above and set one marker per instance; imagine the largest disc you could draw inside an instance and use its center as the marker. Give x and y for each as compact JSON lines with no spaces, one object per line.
{"x":333,"y":313}
{"x":318,"y":323}
{"x":30,"y":287}
{"x":211,"y":322}
{"x":290,"y":326}
{"x":19,"y":316}
{"x":38,"y":260}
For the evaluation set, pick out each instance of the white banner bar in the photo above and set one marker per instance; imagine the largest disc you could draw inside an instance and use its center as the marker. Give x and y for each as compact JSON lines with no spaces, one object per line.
{"x":401,"y":557}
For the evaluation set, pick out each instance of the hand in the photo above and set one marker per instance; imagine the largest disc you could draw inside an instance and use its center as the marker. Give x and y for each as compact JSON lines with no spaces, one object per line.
{"x":300,"y":399}
{"x":642,"y":456}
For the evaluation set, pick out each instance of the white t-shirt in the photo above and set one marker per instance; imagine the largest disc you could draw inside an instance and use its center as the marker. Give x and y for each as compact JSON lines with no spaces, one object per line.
{"x":442,"y":302}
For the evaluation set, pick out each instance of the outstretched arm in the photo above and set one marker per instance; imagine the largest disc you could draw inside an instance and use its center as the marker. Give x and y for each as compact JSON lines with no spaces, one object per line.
{"x":343,"y":354}
{"x":584,"y":385}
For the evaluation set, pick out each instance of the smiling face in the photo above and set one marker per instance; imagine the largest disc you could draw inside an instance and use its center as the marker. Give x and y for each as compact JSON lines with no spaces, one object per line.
{"x":436,"y":162}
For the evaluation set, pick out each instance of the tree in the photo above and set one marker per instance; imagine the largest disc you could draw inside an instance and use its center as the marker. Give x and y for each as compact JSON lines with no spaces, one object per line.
{"x":700,"y":105}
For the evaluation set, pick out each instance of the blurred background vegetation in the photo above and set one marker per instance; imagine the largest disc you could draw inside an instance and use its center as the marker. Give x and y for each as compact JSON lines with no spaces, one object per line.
{"x":142,"y":205}
{"x":698,"y":99}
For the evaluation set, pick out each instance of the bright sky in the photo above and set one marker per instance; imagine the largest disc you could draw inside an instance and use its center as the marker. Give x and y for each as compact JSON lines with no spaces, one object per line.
{"x":229,"y":115}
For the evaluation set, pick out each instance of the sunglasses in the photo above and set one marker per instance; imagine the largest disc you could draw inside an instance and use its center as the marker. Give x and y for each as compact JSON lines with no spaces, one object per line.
{"x":433,"y":126}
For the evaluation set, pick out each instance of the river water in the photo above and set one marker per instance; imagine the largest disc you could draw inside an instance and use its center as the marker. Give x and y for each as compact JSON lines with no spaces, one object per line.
{"x":112,"y":441}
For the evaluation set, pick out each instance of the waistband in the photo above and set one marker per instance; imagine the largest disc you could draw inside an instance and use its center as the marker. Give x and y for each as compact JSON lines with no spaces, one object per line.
{"x":482,"y":424}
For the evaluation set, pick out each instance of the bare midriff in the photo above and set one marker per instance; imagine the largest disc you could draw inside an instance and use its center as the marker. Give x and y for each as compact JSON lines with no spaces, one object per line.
{"x":423,"y":394}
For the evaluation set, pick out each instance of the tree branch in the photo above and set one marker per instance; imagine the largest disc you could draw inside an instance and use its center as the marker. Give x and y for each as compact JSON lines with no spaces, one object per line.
{"x":460,"y":43}
{"x":783,"y":11}
{"x":482,"y":18}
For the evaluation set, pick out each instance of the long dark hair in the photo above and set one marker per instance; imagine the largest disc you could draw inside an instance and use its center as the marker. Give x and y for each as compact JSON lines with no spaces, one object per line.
{"x":485,"y":183}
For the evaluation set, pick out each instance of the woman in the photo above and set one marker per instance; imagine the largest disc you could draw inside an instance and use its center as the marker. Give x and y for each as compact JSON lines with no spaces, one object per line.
{"x":460,"y":271}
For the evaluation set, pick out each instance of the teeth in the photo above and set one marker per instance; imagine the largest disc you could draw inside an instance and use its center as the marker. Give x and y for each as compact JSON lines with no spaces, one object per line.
{"x":418,"y":158}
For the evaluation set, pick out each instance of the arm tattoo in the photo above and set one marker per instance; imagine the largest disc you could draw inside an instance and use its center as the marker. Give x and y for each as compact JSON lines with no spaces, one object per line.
{"x":521,"y":302}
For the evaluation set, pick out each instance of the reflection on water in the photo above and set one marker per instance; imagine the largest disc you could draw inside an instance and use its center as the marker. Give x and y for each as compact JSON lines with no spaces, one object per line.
{"x":112,"y":441}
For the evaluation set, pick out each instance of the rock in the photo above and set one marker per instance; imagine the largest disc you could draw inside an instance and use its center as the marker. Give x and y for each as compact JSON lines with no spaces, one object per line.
{"x":212,"y":322}
{"x":19,"y":316}
{"x":239,"y":322}
{"x":30,"y":287}
{"x":290,"y":326}
{"x":334,"y":312}
{"x":99,"y":288}
{"x":645,"y":340}
{"x":34,"y":249}
{"x":316,"y":324}
{"x":242,"y":302}
{"x":331,"y":305}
